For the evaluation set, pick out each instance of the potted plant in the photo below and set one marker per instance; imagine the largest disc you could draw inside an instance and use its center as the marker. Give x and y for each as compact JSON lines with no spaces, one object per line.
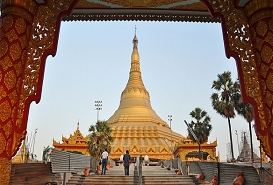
{"x":99,"y":168}
{"x":108,"y":167}
{"x":86,"y":172}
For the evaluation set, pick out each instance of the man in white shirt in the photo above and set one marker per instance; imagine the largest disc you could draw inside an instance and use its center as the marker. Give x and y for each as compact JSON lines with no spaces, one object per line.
{"x":104,"y":157}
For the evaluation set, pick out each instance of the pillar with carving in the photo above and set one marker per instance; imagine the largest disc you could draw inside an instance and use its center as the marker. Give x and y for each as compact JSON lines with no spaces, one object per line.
{"x":15,"y":33}
{"x":260,"y":19}
{"x":248,"y":36}
{"x":28,"y":33}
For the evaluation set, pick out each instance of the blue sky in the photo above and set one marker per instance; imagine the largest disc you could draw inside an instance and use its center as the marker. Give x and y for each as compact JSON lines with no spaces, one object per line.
{"x":178,"y":61}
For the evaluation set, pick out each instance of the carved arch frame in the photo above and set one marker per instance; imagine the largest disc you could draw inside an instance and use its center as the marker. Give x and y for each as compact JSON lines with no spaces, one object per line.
{"x":29,"y":33}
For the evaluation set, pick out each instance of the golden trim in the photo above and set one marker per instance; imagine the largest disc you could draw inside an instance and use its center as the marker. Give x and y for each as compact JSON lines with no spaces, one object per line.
{"x":261,"y":28}
{"x":5,"y":111}
{"x":142,"y":3}
{"x":260,"y":15}
{"x":198,"y":6}
{"x":41,"y":40}
{"x":29,"y":5}
{"x":252,"y":6}
{"x":140,"y":17}
{"x":86,"y":4}
{"x":240,"y":42}
{"x":5,"y":169}
{"x":17,"y":11}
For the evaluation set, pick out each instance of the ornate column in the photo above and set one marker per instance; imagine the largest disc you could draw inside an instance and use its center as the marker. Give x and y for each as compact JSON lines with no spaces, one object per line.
{"x":28,"y":34}
{"x":248,"y":37}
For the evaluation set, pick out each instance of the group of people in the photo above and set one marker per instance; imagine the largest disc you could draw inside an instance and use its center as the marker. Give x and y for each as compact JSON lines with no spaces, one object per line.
{"x":126,"y":162}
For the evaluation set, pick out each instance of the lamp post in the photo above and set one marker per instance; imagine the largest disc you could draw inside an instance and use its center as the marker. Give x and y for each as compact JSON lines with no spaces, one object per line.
{"x":34,"y":140}
{"x":170,"y":119}
{"x":98,"y":105}
{"x":236,"y":133}
{"x":32,"y":143}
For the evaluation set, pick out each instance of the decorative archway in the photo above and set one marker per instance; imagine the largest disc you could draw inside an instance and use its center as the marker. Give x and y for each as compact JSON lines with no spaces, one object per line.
{"x":30,"y":29}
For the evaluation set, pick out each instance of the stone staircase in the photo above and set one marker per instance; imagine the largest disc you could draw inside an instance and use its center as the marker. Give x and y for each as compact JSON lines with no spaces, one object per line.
{"x":229,"y":171}
{"x":114,"y":176}
{"x":40,"y":174}
{"x":152,"y":175}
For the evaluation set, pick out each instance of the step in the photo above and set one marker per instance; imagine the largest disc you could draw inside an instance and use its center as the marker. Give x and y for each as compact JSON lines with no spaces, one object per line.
{"x":102,"y":183}
{"x":153,"y":175}
{"x":102,"y":180}
{"x":181,"y":177}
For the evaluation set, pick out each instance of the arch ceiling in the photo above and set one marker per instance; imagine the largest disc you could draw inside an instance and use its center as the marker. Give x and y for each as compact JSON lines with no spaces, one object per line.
{"x":162,"y":10}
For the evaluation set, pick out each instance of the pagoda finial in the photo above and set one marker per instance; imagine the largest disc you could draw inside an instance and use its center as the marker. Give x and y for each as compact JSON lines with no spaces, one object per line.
{"x":135,"y":41}
{"x":78,"y":125}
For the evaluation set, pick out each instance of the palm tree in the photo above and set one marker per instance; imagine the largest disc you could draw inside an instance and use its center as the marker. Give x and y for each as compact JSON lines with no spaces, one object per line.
{"x":246,"y":111}
{"x":200,"y":127}
{"x":99,"y":138}
{"x":223,"y":101}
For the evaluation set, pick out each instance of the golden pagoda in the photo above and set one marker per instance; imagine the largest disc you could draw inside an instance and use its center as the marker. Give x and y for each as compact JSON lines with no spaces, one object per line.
{"x":21,"y":156}
{"x":135,"y":125}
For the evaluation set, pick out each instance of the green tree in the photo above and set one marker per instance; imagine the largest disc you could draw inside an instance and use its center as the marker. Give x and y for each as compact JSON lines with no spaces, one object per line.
{"x":46,"y":154}
{"x":223,"y":102}
{"x":246,"y":111}
{"x":201,"y":126}
{"x":99,"y":139}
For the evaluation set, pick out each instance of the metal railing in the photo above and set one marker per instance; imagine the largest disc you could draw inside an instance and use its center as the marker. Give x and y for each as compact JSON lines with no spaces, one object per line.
{"x":64,"y":162}
{"x":266,"y":176}
{"x":139,"y":162}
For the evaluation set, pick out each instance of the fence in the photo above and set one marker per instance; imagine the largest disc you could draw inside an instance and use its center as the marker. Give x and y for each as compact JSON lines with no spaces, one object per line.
{"x":63,"y":162}
{"x":266,"y":176}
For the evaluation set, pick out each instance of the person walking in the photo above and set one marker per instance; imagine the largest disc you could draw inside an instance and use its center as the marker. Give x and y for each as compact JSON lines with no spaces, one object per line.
{"x":104,"y":157}
{"x":126,"y":162}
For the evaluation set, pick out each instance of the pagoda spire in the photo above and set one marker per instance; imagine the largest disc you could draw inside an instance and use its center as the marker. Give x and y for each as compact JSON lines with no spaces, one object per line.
{"x":78,"y":125}
{"x":135,"y":125}
{"x":135,"y":104}
{"x":135,"y":80}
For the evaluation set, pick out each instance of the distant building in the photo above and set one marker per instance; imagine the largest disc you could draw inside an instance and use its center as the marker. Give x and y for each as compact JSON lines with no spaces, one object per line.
{"x":188,"y":150}
{"x":75,"y":143}
{"x":245,"y":154}
{"x":21,"y":156}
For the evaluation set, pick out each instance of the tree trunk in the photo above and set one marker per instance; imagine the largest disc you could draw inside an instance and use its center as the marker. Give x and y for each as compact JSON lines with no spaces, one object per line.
{"x":230,"y":136}
{"x":200,"y":158}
